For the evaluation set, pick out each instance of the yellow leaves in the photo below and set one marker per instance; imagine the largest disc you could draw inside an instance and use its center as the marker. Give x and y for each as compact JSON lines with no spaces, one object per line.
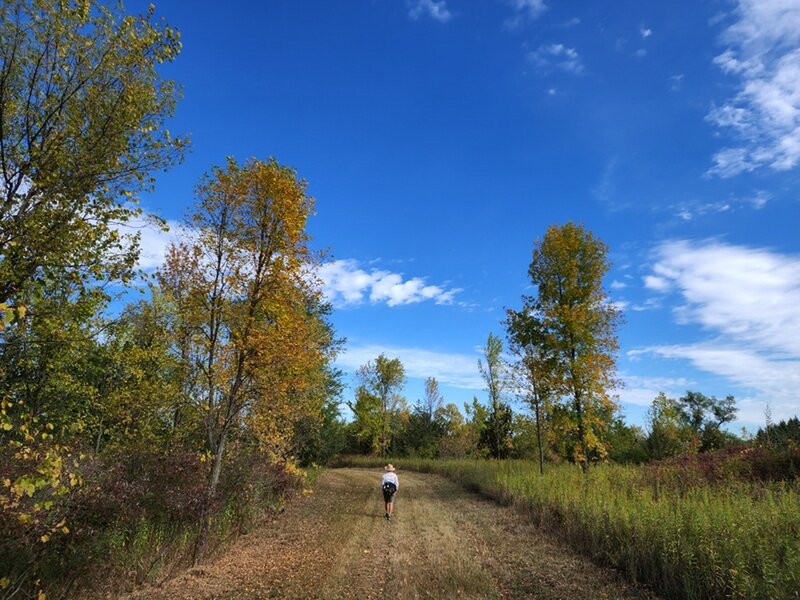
{"x":44,"y":539}
{"x":4,"y":583}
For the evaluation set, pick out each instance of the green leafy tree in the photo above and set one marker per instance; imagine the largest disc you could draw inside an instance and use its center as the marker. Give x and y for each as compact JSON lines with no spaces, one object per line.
{"x":535,"y":372}
{"x":458,"y":440}
{"x":575,"y":326}
{"x":626,"y":443}
{"x":476,"y":428}
{"x":82,"y":115}
{"x":367,"y":425}
{"x":496,"y":433}
{"x":380,"y":383}
{"x":427,"y":422}
{"x":82,"y":128}
{"x":670,"y":434}
{"x":781,"y":435}
{"x":705,"y":415}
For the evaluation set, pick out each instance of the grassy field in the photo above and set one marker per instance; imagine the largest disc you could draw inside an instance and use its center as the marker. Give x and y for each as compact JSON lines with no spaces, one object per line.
{"x":727,"y":540}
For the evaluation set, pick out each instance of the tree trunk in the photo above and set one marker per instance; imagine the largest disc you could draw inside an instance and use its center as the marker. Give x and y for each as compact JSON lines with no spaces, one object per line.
{"x":582,"y":435}
{"x":539,"y":437}
{"x":211,"y":490}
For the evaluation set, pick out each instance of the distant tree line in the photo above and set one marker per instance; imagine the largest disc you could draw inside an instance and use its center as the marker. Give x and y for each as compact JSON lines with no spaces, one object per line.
{"x":560,"y":367}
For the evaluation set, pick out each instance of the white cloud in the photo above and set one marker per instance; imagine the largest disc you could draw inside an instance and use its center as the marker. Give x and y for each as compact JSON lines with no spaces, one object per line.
{"x":153,"y":240}
{"x":345,"y":282}
{"x":456,"y":370}
{"x":618,"y":285}
{"x":641,"y":391}
{"x":747,"y":299}
{"x":525,"y":11}
{"x":557,"y":56}
{"x":765,"y":113}
{"x":645,"y":32}
{"x":658,"y":284}
{"x":435,"y":9}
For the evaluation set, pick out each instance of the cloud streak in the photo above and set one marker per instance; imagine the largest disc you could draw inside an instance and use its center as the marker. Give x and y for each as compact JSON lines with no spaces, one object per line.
{"x":762,"y":52}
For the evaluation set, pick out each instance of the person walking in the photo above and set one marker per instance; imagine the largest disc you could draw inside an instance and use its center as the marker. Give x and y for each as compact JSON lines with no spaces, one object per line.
{"x":389,"y":484}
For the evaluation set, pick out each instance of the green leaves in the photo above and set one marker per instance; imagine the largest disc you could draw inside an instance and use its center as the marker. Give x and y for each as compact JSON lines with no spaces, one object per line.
{"x":82,"y":117}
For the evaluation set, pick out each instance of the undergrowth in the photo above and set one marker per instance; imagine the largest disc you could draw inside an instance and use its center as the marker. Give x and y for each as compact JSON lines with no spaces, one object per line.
{"x":135,"y":520}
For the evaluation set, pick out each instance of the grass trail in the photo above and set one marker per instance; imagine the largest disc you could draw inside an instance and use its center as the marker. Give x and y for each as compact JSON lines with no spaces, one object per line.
{"x":444,"y":542}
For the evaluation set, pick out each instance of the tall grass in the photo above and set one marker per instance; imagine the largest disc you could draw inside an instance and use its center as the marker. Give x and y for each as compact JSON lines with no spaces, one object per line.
{"x":728,"y":540}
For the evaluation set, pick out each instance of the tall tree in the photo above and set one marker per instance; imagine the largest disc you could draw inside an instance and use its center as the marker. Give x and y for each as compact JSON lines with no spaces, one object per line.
{"x":82,"y":127}
{"x":383,"y":379}
{"x":576,"y":325}
{"x":242,"y":289}
{"x":499,"y":418}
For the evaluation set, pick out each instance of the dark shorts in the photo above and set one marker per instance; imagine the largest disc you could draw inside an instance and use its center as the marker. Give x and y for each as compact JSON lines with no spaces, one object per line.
{"x":388,"y":496}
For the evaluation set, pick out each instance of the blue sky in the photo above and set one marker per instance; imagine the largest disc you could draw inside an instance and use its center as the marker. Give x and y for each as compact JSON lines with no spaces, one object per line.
{"x":440,"y":138}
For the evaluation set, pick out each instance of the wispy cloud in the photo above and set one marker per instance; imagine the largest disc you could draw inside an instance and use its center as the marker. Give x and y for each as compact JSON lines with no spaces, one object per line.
{"x":645,"y":32}
{"x":746,"y":299}
{"x":435,"y":9}
{"x":345,"y":282}
{"x":690,"y":210}
{"x":456,"y":370}
{"x":557,"y":56}
{"x":762,"y":52}
{"x":676,"y":82}
{"x":525,"y":11}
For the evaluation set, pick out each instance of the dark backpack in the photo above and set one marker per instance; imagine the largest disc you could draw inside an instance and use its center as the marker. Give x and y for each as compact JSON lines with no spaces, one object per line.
{"x":389,"y":487}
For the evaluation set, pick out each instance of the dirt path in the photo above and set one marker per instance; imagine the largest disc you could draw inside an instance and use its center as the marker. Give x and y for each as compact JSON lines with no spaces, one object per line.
{"x":444,"y":542}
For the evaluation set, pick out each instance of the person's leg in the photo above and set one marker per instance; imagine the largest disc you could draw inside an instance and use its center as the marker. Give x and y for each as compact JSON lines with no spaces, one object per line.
{"x":389,"y":507}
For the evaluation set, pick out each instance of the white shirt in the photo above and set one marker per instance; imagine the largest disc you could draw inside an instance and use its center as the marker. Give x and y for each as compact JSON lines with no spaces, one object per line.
{"x":390,"y":476}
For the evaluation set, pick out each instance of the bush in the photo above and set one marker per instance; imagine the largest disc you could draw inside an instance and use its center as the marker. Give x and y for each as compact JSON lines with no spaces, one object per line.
{"x":135,"y":515}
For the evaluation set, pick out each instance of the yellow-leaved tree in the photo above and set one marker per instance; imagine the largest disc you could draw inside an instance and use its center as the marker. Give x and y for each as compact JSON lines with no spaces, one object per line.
{"x":567,"y":333}
{"x":243,"y":288}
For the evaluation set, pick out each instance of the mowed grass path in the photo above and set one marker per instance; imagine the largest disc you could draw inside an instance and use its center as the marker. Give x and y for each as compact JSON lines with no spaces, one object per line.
{"x":444,"y":542}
